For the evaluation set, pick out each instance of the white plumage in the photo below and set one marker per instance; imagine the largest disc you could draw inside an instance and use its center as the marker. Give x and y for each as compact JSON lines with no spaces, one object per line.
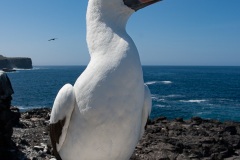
{"x":104,"y":114}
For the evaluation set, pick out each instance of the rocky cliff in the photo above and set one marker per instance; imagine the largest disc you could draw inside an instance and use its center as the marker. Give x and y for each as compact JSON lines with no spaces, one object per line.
{"x":15,"y":62}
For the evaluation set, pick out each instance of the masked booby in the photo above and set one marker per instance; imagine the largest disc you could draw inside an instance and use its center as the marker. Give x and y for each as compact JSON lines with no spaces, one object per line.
{"x":103,"y":116}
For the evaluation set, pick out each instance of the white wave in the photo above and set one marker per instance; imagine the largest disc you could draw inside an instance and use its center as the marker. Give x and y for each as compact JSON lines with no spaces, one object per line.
{"x":34,"y":68}
{"x":156,"y":98}
{"x":158,"y":82}
{"x":166,"y":82}
{"x":161,"y":100}
{"x":37,"y":68}
{"x":20,"y":69}
{"x":173,"y":96}
{"x":194,"y":101}
{"x":161,"y":106}
{"x":204,"y":113}
{"x":151,"y":82}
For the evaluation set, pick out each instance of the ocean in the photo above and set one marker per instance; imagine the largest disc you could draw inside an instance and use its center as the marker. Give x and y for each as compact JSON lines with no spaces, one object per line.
{"x":177,"y":91}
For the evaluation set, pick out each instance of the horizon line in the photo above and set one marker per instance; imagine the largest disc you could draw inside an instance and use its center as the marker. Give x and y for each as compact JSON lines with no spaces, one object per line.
{"x":153,"y":65}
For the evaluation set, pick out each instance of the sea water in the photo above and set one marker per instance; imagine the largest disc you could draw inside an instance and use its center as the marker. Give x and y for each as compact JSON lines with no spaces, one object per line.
{"x":177,"y":91}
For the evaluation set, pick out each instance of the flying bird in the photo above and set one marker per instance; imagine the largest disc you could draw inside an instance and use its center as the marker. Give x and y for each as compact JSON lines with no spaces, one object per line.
{"x":52,"y":39}
{"x":103,"y":115}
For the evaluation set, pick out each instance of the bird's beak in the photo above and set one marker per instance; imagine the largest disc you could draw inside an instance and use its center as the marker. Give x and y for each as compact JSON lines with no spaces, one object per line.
{"x":139,"y":4}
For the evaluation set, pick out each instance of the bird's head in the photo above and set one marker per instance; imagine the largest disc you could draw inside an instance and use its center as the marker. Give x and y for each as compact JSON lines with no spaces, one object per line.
{"x":118,"y":4}
{"x":115,"y":9}
{"x":139,"y":4}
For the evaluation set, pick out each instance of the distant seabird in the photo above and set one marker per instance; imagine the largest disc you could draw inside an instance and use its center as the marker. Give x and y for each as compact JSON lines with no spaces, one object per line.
{"x":102,"y":117}
{"x":52,"y":39}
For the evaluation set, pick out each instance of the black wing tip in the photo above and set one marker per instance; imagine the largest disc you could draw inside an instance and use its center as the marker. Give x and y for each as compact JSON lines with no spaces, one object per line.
{"x":147,"y":123}
{"x":55,"y":133}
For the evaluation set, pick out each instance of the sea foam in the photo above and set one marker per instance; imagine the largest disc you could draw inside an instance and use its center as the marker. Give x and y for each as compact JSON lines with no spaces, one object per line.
{"x":194,"y":101}
{"x":158,"y":82}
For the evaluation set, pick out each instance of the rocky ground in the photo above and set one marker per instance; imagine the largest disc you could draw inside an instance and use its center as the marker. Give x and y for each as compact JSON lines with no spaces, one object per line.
{"x":193,"y":139}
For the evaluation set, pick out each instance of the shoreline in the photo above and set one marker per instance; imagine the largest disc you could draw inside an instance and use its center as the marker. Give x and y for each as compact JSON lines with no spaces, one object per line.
{"x":178,"y":139}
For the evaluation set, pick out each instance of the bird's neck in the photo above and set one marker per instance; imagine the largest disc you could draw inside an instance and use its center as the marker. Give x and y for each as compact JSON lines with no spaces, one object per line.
{"x":106,"y":28}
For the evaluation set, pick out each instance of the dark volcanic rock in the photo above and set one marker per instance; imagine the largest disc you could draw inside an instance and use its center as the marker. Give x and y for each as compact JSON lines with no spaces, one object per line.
{"x":31,"y":135}
{"x":15,"y":62}
{"x":194,"y":139}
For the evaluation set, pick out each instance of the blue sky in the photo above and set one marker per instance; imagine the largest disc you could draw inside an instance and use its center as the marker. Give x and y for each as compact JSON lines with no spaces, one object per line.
{"x":171,"y":32}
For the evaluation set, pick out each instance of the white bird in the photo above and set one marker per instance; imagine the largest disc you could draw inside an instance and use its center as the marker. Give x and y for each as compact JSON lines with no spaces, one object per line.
{"x":103,"y":116}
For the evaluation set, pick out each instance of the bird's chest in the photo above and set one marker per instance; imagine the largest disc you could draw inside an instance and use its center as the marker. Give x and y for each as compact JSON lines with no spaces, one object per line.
{"x":118,"y":92}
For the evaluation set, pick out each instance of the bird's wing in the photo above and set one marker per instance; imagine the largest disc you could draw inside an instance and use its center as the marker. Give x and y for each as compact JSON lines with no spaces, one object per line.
{"x":146,"y":108}
{"x":60,"y":116}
